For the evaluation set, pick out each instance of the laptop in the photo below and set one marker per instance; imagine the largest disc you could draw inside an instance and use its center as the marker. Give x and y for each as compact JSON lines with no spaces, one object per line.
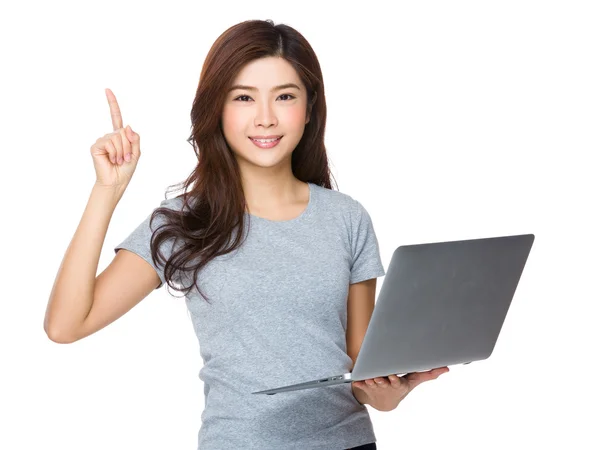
{"x":441,"y":304}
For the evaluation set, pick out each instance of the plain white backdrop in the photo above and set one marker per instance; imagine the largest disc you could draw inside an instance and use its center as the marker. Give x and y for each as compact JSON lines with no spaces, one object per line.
{"x":447,"y":120}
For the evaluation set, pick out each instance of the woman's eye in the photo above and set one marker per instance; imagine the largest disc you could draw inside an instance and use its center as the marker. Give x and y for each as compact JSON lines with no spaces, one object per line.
{"x":246,"y":96}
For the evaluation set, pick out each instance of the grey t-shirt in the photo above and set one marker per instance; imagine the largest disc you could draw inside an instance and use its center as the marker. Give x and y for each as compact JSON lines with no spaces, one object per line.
{"x":277,"y":317}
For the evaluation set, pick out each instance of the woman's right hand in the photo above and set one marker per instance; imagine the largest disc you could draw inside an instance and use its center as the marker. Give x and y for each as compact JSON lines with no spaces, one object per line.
{"x":109,"y":152}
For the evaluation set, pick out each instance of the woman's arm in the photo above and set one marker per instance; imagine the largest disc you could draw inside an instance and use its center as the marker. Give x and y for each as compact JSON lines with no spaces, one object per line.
{"x":73,"y":290}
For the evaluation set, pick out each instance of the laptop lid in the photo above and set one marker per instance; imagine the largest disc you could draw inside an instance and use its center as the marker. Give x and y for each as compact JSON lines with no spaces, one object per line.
{"x":442,"y":304}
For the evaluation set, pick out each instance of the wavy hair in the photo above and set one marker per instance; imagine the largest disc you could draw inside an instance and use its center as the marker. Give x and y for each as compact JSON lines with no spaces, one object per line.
{"x":213,"y":200}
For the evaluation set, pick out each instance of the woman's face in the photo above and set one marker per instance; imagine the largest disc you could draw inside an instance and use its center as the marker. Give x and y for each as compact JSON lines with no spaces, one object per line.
{"x":264,"y":109}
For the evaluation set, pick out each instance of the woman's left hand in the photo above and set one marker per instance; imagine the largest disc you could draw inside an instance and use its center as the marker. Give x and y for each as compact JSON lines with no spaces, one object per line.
{"x":384,"y":394}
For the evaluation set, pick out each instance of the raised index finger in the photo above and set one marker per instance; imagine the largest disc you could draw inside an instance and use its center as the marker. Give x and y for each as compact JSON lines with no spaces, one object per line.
{"x":115,"y":112}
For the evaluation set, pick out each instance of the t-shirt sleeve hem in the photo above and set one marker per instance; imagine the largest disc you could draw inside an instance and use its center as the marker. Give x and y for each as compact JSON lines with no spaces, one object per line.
{"x":147,"y":258}
{"x":367,"y":275}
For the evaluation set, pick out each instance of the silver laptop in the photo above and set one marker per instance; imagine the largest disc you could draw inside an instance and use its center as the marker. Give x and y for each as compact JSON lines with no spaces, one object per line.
{"x":440,"y":304}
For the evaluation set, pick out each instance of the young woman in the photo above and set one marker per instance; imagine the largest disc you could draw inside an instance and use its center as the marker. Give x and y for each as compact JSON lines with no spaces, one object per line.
{"x":278,"y":270}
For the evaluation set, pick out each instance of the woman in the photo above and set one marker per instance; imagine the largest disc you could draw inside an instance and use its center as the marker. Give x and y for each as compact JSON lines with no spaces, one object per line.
{"x":278,"y":270}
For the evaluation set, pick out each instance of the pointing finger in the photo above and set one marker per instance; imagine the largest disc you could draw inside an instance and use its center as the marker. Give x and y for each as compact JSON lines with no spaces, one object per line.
{"x":115,"y":111}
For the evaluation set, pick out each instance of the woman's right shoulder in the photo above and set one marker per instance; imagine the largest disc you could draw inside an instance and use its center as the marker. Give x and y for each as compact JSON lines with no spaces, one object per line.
{"x":175,"y":203}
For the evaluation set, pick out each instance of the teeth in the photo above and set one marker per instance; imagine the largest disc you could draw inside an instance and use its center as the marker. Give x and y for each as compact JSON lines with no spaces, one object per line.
{"x":265,"y":140}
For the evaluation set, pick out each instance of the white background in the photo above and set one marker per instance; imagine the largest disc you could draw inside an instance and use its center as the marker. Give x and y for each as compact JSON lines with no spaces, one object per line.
{"x":447,"y":120}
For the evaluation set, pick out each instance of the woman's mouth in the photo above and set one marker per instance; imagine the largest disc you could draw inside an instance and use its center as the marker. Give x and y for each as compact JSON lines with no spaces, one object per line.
{"x":266,"y":143}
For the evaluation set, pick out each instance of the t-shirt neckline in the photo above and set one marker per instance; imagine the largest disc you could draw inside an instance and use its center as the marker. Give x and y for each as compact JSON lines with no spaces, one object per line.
{"x":303,"y":215}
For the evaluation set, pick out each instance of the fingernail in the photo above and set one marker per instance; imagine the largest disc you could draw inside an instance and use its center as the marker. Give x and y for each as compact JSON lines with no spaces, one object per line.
{"x":128,"y":157}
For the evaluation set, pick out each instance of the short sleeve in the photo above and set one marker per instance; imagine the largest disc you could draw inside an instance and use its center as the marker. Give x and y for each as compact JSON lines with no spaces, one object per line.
{"x":366,"y":260}
{"x":138,"y":240}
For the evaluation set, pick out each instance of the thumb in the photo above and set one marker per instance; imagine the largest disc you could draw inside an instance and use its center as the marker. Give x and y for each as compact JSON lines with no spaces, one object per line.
{"x":130,"y":133}
{"x":135,"y":142}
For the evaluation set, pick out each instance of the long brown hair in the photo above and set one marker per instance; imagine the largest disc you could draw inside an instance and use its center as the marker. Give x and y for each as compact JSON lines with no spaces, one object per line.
{"x":216,"y":204}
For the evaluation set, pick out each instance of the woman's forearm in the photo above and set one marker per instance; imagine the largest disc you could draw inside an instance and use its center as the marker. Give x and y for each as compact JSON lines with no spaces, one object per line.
{"x":72,"y":293}
{"x":360,"y":395}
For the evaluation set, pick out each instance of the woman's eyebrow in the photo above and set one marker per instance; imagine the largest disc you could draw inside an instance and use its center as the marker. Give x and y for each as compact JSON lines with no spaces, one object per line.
{"x":252,"y":88}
